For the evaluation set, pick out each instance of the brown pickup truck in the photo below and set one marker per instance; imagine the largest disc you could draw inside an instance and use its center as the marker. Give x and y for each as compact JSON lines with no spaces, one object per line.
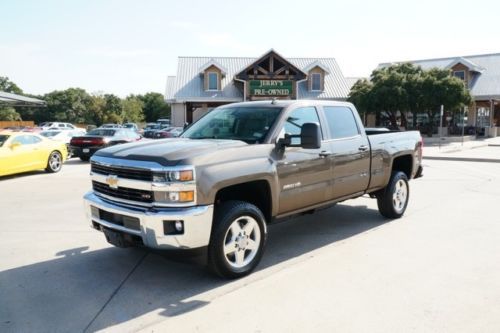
{"x":241,"y":167}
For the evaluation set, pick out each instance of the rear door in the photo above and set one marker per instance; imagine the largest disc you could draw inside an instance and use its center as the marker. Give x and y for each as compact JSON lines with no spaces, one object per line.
{"x":304,"y":174}
{"x":350,"y":152}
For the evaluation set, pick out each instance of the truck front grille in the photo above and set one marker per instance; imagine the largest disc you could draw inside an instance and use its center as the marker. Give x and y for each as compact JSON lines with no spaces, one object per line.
{"x":123,"y":192}
{"x":128,"y":173}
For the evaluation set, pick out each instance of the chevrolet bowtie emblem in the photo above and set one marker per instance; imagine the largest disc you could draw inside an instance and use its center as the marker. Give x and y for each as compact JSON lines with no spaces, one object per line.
{"x":112,"y":181}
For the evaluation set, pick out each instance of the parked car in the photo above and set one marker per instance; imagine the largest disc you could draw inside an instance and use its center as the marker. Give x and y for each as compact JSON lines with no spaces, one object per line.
{"x":62,"y":136}
{"x":56,"y":125}
{"x":150,"y":132}
{"x":131,"y":126}
{"x":85,"y":146}
{"x":171,"y":132}
{"x":164,"y":122}
{"x":22,"y":152}
{"x":111,"y":126}
{"x":241,"y":167}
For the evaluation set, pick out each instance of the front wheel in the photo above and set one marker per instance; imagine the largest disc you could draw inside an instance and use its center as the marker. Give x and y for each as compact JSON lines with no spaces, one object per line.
{"x":238,"y":239}
{"x":392,"y":201}
{"x":54,"y":163}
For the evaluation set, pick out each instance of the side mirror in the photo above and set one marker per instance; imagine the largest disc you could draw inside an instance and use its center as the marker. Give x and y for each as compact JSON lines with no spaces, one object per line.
{"x":186,"y":125}
{"x":310,"y":136}
{"x":14,"y":145}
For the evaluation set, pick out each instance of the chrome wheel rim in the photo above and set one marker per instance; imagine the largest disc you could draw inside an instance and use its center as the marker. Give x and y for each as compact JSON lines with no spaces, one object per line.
{"x":55,"y":161}
{"x":400,"y":196}
{"x":242,"y":241}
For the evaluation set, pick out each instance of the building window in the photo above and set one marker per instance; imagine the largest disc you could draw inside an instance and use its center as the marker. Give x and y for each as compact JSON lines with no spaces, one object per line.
{"x":316,"y":82}
{"x":459,"y":74}
{"x":213,"y":81}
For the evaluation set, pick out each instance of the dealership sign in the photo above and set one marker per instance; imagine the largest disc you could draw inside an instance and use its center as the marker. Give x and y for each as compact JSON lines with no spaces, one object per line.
{"x":271,"y":87}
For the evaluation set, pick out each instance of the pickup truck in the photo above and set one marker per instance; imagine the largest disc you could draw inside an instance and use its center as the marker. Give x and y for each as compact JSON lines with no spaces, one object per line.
{"x":241,"y":167}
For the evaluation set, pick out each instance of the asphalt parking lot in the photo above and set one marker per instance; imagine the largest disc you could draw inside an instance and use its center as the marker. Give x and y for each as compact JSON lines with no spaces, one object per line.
{"x":343,"y":269}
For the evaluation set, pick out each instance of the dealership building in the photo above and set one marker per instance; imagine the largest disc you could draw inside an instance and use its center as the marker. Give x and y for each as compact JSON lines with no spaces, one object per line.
{"x":203,"y":83}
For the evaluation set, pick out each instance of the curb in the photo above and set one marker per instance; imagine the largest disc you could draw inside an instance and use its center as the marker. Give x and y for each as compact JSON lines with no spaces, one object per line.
{"x":462,"y":159}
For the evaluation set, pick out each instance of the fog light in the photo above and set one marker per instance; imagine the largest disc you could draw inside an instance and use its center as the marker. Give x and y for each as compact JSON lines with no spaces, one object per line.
{"x":179,"y":226}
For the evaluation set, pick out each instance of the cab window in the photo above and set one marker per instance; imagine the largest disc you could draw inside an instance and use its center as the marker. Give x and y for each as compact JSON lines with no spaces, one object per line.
{"x":296,"y":119}
{"x":341,"y":122}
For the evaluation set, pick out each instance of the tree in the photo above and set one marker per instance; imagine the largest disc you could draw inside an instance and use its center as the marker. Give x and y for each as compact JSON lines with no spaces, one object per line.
{"x":154,"y":106}
{"x":407,"y":88}
{"x":9,"y":114}
{"x":360,"y":95}
{"x":68,"y":105}
{"x":112,"y":112}
{"x":132,"y":109}
{"x":8,"y":86}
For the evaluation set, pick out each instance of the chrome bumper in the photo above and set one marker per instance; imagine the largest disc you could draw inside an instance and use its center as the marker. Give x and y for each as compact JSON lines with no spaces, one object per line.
{"x":197,"y":223}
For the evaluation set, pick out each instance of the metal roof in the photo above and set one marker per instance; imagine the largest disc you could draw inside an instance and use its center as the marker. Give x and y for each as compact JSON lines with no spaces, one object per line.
{"x":19,"y":100}
{"x":485,"y":82}
{"x":352,"y":80}
{"x":188,"y":85}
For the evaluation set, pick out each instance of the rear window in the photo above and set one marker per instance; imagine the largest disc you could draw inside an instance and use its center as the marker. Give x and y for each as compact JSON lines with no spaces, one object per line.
{"x":102,"y":132}
{"x":3,"y":138}
{"x":341,"y":122}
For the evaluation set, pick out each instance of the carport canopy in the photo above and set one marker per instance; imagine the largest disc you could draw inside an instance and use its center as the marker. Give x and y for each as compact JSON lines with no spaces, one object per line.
{"x":9,"y":99}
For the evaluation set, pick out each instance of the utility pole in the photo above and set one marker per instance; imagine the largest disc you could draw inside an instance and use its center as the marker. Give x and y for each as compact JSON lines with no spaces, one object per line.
{"x":441,"y":125}
{"x":463,"y":124}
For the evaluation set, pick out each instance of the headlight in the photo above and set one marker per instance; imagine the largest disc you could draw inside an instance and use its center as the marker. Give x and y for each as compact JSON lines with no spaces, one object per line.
{"x":174,"y":196}
{"x":173,"y":176}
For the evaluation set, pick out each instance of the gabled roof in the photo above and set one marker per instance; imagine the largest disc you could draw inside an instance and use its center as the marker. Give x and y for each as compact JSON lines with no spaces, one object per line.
{"x":270,"y":53}
{"x":315,"y":64}
{"x":467,"y":63}
{"x":187,"y":85}
{"x":210,"y":63}
{"x":485,"y":84}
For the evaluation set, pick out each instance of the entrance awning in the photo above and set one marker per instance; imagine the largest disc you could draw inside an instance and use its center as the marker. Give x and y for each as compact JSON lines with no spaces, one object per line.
{"x":9,"y":99}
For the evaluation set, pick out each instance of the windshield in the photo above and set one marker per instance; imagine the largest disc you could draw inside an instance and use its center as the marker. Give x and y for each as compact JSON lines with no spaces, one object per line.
{"x":3,"y":138}
{"x":247,"y":123}
{"x":102,"y":132}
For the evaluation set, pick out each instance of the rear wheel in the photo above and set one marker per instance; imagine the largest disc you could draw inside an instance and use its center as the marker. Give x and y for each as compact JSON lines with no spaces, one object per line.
{"x":54,"y":163}
{"x":392,"y":201}
{"x":238,"y":239}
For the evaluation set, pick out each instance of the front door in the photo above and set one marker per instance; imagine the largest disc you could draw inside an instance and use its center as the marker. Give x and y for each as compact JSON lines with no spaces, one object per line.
{"x":304,"y":174}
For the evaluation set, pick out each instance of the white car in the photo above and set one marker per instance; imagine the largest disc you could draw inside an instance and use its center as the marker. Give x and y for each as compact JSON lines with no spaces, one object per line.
{"x":62,"y":136}
{"x":56,"y":126}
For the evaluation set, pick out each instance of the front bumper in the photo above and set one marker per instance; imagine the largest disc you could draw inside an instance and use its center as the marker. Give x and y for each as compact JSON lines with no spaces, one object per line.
{"x":197,"y":223}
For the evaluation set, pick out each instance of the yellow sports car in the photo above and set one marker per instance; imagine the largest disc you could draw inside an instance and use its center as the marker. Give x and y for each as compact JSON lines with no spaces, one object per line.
{"x":22,"y":151}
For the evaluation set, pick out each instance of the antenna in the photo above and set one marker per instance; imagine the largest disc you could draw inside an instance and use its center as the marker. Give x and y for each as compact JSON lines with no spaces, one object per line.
{"x":273,"y":100}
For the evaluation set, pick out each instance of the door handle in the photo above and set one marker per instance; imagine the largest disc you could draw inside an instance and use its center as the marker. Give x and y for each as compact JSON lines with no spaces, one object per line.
{"x":325,"y":153}
{"x":363,"y":148}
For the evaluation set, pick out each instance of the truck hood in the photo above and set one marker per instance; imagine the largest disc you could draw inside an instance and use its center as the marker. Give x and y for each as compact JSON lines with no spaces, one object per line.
{"x":168,"y":152}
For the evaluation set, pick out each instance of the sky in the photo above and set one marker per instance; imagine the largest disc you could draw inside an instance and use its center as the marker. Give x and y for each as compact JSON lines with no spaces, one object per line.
{"x":130,"y":47}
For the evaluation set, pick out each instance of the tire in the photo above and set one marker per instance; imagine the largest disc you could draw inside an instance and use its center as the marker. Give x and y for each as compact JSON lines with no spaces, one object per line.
{"x":55,"y":162}
{"x":84,"y":158}
{"x":392,"y":201}
{"x":238,"y":239}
